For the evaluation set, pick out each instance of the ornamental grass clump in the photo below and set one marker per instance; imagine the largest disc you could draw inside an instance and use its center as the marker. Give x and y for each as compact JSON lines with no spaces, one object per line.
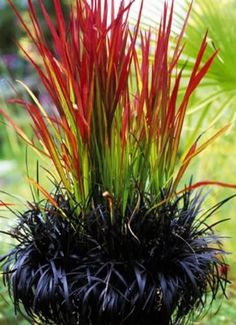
{"x":118,"y":240}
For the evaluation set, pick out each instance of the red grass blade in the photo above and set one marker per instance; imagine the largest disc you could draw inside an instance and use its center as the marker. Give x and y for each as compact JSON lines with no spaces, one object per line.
{"x":207,"y":183}
{"x":118,"y":116}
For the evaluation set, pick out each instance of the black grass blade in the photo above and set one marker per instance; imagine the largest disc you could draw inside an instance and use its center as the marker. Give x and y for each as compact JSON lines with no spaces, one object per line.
{"x":61,"y":272}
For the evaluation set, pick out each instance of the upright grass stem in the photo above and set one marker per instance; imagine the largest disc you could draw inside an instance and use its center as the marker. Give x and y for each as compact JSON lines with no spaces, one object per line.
{"x":118,"y":114}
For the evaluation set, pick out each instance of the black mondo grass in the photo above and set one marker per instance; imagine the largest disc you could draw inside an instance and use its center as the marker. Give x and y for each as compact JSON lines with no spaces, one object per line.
{"x":159,"y":266}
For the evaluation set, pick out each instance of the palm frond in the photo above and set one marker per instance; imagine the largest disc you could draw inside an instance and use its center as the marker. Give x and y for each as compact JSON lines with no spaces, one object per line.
{"x":218,"y":18}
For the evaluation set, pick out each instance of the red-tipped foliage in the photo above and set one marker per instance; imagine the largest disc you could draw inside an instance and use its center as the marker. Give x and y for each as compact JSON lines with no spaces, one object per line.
{"x":119,"y":114}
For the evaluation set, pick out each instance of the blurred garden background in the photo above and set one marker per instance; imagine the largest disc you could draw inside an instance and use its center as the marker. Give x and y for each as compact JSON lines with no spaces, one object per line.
{"x":213,"y":106}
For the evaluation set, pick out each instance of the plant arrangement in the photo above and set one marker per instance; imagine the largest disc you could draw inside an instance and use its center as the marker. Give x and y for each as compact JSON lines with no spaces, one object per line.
{"x":119,"y":240}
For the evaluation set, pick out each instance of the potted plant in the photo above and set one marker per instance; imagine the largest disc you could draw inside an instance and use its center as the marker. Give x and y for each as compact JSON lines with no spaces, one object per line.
{"x":119,"y":240}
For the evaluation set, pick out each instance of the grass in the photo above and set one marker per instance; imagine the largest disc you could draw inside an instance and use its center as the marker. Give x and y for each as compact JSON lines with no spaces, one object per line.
{"x":226,"y":314}
{"x":205,"y":169}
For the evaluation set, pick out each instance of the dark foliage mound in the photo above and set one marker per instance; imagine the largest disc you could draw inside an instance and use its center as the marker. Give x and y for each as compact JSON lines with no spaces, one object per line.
{"x":155,"y":267}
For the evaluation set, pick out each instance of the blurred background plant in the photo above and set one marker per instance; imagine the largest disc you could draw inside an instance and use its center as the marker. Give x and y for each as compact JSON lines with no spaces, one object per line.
{"x":214,"y":104}
{"x":14,"y":66}
{"x":212,"y":107}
